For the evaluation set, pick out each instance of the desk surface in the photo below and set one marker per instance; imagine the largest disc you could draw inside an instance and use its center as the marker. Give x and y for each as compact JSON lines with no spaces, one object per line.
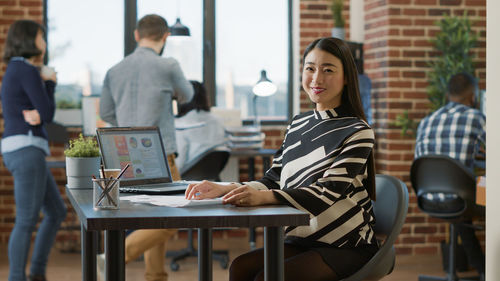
{"x":141,"y":216}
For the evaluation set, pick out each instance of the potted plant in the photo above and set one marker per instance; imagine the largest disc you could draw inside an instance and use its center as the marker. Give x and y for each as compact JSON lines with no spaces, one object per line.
{"x":337,"y":7}
{"x":82,"y":162}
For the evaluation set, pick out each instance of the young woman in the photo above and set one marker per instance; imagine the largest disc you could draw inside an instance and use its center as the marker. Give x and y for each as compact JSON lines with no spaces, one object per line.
{"x":28,"y":103}
{"x":324,"y":167}
{"x":197,"y":130}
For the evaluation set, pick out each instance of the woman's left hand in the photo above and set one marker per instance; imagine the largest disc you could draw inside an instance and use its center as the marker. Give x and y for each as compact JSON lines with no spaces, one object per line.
{"x":248,"y":196}
{"x":32,"y":117}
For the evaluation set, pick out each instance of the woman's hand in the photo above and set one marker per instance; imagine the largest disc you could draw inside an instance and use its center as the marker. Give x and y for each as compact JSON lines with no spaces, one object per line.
{"x":206,"y":189}
{"x":248,"y":196}
{"x":32,"y":117}
{"x":48,"y":73}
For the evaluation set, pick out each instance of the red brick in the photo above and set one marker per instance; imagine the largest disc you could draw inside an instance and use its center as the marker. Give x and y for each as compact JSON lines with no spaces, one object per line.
{"x":413,"y":240}
{"x":414,"y":12}
{"x":13,"y":12}
{"x":413,"y":32}
{"x":425,"y":2}
{"x":32,"y":3}
{"x":479,"y":3}
{"x":425,"y":229}
{"x":450,"y":2}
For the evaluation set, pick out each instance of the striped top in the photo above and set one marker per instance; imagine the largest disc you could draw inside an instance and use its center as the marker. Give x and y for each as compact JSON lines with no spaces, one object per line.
{"x":455,"y":130}
{"x":321,"y":168}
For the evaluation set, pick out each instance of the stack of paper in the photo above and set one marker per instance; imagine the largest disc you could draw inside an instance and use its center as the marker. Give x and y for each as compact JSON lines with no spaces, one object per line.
{"x":171,"y":201}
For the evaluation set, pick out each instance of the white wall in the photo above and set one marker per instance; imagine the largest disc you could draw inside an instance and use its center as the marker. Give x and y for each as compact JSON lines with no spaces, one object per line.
{"x":492,"y":141}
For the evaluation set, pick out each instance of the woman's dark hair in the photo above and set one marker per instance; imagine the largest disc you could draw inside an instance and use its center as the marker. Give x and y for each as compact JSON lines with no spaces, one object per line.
{"x":21,"y":40}
{"x":199,"y":101}
{"x":350,"y":94}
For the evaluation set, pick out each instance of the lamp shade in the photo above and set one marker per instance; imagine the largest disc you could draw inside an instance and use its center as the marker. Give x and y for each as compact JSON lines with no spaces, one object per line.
{"x":264,"y":87}
{"x":178,"y":29}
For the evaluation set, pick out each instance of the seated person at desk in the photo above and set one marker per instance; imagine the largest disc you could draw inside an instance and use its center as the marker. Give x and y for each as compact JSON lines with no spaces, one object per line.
{"x":197,"y":130}
{"x":324,"y":167}
{"x":457,"y":130}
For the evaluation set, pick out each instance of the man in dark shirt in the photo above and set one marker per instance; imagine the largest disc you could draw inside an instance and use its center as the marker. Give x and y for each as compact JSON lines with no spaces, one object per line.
{"x":457,"y":130}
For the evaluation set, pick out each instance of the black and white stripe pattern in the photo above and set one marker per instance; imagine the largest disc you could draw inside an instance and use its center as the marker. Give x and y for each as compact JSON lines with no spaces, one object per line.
{"x":320,"y":168}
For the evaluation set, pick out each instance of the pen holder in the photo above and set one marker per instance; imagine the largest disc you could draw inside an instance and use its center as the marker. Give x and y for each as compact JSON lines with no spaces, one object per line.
{"x":106,"y":194}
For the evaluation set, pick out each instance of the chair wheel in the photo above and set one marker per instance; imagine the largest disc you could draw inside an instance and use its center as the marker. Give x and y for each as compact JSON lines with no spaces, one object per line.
{"x":174,"y":266}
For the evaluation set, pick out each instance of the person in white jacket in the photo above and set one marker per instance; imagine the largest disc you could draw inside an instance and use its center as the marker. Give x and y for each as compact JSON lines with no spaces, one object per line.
{"x":197,"y":130}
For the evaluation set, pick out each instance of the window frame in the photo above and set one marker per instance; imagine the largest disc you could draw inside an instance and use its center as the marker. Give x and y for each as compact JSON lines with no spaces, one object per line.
{"x":209,"y":50}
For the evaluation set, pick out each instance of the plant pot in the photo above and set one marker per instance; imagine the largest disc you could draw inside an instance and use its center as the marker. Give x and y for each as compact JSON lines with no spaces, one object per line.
{"x":79,"y":171}
{"x":338,"y":32}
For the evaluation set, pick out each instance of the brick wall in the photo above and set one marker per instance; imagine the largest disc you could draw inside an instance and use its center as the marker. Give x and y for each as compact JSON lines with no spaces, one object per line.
{"x":397,"y":50}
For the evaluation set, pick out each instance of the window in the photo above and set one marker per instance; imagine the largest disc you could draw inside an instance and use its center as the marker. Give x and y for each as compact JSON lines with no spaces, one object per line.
{"x":83,"y":42}
{"x":252,"y":36}
{"x":187,"y":50}
{"x":86,"y":38}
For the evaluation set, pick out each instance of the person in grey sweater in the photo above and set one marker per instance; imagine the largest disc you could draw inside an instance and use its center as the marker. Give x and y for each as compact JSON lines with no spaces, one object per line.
{"x":138,"y":91}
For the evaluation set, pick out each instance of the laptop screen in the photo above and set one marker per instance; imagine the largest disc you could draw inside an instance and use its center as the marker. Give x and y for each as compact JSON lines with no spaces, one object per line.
{"x":141,"y":147}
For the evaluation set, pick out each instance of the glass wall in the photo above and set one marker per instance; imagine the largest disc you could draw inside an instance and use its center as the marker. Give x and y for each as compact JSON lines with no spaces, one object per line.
{"x":186,"y":49}
{"x":252,"y":36}
{"x":83,"y":43}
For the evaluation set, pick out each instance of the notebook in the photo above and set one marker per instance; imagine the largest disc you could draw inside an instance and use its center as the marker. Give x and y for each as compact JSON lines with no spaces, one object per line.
{"x":142,"y":148}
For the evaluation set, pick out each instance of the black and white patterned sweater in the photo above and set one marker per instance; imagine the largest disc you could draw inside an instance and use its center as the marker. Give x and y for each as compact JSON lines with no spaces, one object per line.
{"x":320,"y":168}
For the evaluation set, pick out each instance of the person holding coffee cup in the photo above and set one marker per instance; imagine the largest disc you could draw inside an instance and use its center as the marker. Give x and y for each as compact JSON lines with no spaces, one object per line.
{"x":27,"y":95}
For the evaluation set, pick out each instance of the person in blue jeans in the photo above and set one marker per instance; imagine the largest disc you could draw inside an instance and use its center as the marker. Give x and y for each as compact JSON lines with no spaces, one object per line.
{"x":27,"y":96}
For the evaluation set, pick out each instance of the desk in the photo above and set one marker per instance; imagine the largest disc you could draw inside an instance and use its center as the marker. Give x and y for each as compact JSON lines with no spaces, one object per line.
{"x":143,"y":216}
{"x":250,"y":154}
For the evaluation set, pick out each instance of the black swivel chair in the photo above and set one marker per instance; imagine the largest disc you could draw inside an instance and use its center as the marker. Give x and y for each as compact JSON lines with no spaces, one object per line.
{"x":207,"y":166}
{"x":390,"y":210}
{"x":445,"y":189}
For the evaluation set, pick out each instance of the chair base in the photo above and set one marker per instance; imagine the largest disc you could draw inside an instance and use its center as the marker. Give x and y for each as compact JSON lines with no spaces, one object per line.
{"x":221,"y":256}
{"x":449,"y":277}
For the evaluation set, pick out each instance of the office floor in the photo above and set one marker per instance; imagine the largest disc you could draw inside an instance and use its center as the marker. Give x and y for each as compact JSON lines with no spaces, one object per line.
{"x":66,"y":266}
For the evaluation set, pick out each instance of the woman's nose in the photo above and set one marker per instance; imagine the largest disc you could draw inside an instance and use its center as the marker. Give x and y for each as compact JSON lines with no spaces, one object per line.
{"x":317,"y":77}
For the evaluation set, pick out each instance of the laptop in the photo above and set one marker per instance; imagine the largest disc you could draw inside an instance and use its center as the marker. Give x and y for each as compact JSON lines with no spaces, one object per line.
{"x":142,"y":148}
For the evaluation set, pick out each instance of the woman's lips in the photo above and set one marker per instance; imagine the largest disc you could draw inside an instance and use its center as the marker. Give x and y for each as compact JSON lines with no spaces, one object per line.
{"x":317,"y":90}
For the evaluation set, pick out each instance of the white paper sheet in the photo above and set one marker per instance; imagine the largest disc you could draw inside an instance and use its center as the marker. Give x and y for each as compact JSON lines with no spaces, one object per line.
{"x":170,"y":201}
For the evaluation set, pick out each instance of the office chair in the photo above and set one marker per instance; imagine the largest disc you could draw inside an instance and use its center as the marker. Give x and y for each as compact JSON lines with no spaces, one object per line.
{"x":390,"y":210}
{"x":207,"y":166}
{"x":445,"y":189}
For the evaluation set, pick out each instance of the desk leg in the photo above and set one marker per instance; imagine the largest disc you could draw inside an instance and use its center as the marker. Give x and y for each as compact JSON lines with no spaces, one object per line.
{"x":251,"y":177}
{"x":205,"y":254}
{"x":89,"y":252}
{"x":273,"y":254}
{"x":114,"y":241}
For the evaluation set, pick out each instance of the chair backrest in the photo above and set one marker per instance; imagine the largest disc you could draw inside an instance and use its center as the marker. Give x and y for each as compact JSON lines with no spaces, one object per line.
{"x":207,"y":166}
{"x":443,"y":174}
{"x":390,"y":210}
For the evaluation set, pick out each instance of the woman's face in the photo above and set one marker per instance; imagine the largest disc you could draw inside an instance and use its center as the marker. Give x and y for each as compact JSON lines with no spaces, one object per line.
{"x":323,"y":79}
{"x":40,"y":43}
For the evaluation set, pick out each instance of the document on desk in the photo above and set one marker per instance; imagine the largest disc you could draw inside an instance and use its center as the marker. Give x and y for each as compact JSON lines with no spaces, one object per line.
{"x":171,"y":201}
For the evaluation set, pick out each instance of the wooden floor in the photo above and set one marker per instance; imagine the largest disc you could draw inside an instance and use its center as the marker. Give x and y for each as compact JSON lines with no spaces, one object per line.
{"x":66,"y":266}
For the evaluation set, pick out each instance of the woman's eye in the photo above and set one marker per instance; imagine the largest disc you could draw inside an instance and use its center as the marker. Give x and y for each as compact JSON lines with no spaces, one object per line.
{"x":308,"y":68}
{"x":328,"y":70}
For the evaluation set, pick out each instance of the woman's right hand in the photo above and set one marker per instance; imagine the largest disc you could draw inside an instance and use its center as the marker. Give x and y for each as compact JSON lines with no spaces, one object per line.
{"x":206,"y":190}
{"x":48,"y":73}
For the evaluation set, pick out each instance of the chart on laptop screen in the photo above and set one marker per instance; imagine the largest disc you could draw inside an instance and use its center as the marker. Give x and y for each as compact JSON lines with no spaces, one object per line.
{"x":142,"y":150}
